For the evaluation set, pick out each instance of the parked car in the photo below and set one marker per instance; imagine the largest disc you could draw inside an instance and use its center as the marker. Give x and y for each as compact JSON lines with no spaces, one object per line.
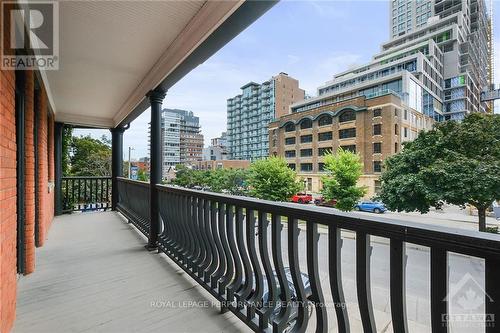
{"x":326,"y":203}
{"x":371,"y":206}
{"x":302,"y":198}
{"x":293,"y":297}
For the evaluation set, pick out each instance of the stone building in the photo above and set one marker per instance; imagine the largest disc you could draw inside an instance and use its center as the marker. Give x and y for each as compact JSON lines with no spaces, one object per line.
{"x":374,"y":128}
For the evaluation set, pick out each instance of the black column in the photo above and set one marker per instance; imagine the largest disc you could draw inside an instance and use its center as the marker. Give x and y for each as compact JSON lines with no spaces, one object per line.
{"x":58,"y":142}
{"x":156,"y":98}
{"x":116,"y":162}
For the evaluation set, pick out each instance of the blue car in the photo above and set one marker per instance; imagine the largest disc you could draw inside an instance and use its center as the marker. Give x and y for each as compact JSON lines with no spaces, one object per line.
{"x":371,"y":206}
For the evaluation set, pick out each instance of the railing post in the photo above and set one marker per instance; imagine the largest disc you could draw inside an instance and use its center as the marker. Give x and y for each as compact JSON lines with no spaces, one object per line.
{"x":116,"y":162}
{"x":156,"y":98}
{"x":58,"y":138}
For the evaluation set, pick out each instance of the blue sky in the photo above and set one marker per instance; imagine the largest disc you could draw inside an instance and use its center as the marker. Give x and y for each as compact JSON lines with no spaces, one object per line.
{"x":309,"y":40}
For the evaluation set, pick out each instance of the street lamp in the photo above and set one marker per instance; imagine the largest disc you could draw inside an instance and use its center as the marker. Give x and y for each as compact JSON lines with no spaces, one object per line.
{"x":130,"y":163}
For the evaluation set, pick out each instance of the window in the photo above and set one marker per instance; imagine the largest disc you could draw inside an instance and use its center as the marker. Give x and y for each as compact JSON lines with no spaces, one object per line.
{"x":351,"y":148}
{"x":309,"y":184}
{"x":289,"y":153}
{"x":377,"y":166}
{"x":306,"y":152}
{"x":395,"y":147}
{"x":324,"y":150}
{"x":306,"y":138}
{"x":325,"y":136}
{"x":377,"y":147}
{"x":396,"y":129}
{"x":290,"y":141}
{"x":306,"y":123}
{"x":348,"y":115}
{"x":406,"y":132}
{"x":347,"y":133}
{"x":378,"y":186}
{"x":325,"y":120}
{"x":396,"y":112}
{"x":290,"y":127}
{"x":291,"y":166}
{"x":377,"y":129}
{"x":377,"y":113}
{"x":306,"y":167}
{"x":321,"y":167}
{"x":406,"y":114}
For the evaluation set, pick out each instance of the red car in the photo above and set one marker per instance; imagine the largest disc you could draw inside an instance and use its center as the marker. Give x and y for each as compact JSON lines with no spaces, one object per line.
{"x":327,"y":203}
{"x":302,"y":198}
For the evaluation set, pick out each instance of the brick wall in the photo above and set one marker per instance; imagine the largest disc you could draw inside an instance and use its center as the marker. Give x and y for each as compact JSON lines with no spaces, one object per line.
{"x":8,"y":214}
{"x":7,"y":201}
{"x":29,"y":174}
{"x":8,"y":177}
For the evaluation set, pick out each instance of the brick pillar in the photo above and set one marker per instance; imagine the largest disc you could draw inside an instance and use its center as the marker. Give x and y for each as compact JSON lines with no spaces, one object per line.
{"x":42,"y":167}
{"x":29,"y":189}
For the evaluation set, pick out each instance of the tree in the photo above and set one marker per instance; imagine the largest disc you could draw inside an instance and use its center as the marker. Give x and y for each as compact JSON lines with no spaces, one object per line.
{"x":66,"y":145}
{"x":272,"y":179}
{"x":455,"y":162}
{"x":90,"y":157}
{"x":340,"y":183}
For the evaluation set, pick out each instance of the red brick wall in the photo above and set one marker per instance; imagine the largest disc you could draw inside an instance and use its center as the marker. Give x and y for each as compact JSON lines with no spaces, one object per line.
{"x":29,"y":174}
{"x":45,"y":169}
{"x":7,"y":197}
{"x":7,"y":201}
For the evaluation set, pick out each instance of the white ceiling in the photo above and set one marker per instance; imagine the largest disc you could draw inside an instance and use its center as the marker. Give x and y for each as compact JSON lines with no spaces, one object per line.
{"x":113,"y":52}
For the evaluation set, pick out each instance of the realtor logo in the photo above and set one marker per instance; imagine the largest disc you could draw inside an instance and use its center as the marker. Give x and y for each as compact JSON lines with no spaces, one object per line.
{"x":30,"y":35}
{"x":467,"y":300}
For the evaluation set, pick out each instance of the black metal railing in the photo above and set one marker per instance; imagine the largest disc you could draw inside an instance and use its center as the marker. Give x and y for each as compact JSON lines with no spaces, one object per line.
{"x":133,"y":202}
{"x":86,"y":194}
{"x":248,"y":254}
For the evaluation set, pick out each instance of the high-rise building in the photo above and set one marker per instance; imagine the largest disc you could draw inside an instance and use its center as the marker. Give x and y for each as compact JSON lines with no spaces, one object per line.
{"x":249,"y":113}
{"x":217,"y":150}
{"x":182,"y":141}
{"x":438,"y":60}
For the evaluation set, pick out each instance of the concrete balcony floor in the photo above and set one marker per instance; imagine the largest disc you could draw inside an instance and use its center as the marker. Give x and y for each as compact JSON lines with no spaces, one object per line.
{"x":94,"y":275}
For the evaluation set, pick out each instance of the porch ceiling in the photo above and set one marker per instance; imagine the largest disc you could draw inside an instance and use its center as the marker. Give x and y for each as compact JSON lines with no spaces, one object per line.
{"x":113,"y":52}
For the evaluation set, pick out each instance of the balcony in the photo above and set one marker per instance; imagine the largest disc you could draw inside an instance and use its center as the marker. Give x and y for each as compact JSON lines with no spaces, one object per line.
{"x":105,"y":281}
{"x":249,"y":258}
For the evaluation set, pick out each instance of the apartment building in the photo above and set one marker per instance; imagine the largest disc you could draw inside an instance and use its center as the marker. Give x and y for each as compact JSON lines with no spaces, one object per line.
{"x":182,"y":141}
{"x":438,"y":60}
{"x":373,"y":127}
{"x":217,"y":150}
{"x":249,"y":113}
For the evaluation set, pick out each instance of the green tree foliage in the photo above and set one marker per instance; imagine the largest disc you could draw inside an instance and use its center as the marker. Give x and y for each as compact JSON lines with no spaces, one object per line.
{"x":340,"y":183}
{"x":90,"y":157}
{"x":219,"y":180}
{"x":142,"y":175}
{"x":66,"y":145}
{"x":456,"y":162}
{"x":272,"y":179}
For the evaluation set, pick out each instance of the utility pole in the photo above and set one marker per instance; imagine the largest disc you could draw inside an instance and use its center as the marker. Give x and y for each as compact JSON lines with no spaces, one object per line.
{"x":130,"y":163}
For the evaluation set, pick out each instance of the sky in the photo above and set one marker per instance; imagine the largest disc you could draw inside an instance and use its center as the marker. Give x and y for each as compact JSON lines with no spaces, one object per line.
{"x":309,"y":40}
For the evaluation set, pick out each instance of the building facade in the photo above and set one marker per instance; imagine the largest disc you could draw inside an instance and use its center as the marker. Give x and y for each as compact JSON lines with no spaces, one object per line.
{"x":373,"y":127}
{"x":222,"y":164}
{"x":249,"y":113}
{"x":438,"y":60}
{"x":217,"y":150}
{"x":182,"y":141}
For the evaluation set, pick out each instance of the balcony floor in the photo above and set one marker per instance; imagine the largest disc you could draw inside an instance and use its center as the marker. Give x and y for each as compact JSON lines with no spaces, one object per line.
{"x":94,"y":275}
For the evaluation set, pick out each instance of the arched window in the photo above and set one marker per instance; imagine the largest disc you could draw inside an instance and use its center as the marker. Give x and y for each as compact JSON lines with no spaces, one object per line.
{"x":347,"y":116}
{"x":290,"y":127}
{"x":306,"y":123}
{"x":325,"y":119}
